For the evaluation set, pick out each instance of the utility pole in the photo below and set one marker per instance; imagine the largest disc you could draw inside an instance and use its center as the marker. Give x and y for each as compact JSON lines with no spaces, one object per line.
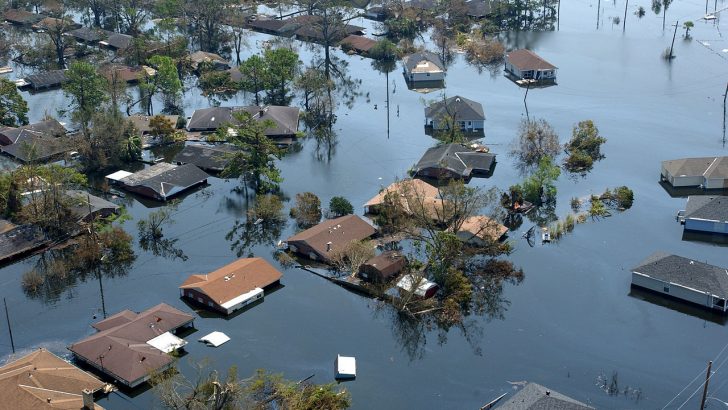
{"x":705,"y":387}
{"x":92,"y":231}
{"x":599,"y":9}
{"x":724,"y":98}
{"x":558,"y":15}
{"x":706,"y":6}
{"x":10,"y":330}
{"x":673,"y":40}
{"x":624,"y":21}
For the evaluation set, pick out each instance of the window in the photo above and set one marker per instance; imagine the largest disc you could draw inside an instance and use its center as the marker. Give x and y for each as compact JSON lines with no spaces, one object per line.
{"x":428,"y":74}
{"x":666,"y":289}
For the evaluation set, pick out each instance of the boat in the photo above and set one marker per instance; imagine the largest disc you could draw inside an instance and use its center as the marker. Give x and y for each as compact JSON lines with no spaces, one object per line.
{"x":545,"y":235}
{"x":710,"y":16}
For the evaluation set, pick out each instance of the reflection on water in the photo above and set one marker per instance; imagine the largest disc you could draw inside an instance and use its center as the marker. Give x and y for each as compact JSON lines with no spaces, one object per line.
{"x":677,"y":305}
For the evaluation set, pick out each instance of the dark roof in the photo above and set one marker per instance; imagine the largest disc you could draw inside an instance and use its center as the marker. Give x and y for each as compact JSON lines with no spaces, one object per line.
{"x":703,"y":166}
{"x":358,"y":43}
{"x":411,"y":61}
{"x":20,"y":240}
{"x":461,"y":107}
{"x":360,"y":4}
{"x":536,"y":397}
{"x":210,"y":119}
{"x":89,"y":34}
{"x":528,"y":60}
{"x":387,"y":263}
{"x":422,"y":4}
{"x":84,"y":204}
{"x":478,"y":8}
{"x":339,"y":232}
{"x":457,"y":159}
{"x":122,"y":350}
{"x":119,"y":41}
{"x":141,"y":122}
{"x":32,"y":147}
{"x":122,"y":72}
{"x":712,"y":208}
{"x":207,"y":157}
{"x":46,"y":128}
{"x":46,"y":79}
{"x":314,"y":32}
{"x":685,"y":272}
{"x":20,"y":16}
{"x":166,"y":179}
{"x":267,"y":25}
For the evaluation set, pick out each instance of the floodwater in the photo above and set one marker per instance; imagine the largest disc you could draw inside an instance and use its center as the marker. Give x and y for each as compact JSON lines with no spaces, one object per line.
{"x":571,"y":324}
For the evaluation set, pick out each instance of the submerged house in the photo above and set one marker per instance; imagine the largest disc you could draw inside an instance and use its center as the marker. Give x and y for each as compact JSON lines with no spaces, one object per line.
{"x":358,"y":44}
{"x":383,"y":267}
{"x":684,"y":279}
{"x":704,"y":172}
{"x":41,"y":380}
{"x":421,"y":191}
{"x":19,"y":241}
{"x":481,"y":230}
{"x":210,"y":158}
{"x":321,"y":241}
{"x":452,"y":161}
{"x":526,"y":65}
{"x":129,"y":346}
{"x":215,"y":61}
{"x":536,"y":397}
{"x":285,"y":120}
{"x":423,"y":66}
{"x":46,"y":128}
{"x":46,"y":80}
{"x":160,"y":181}
{"x":20,"y":17}
{"x":467,"y":115}
{"x":117,"y":41}
{"x":706,"y":214}
{"x":87,"y":207}
{"x":233,"y":286}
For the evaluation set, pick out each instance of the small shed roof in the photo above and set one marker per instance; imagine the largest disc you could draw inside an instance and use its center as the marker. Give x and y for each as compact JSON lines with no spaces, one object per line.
{"x":234,"y":279}
{"x":423,"y":61}
{"x":686,"y":272}
{"x":536,"y":397}
{"x":89,"y":34}
{"x":418,"y":285}
{"x":215,"y":339}
{"x":345,"y":366}
{"x":167,"y":342}
{"x":387,"y":263}
{"x":118,"y":175}
{"x":463,"y":109}
{"x":710,"y":208}
{"x":524,"y":59}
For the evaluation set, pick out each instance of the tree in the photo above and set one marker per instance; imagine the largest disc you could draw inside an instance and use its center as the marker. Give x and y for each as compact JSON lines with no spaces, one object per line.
{"x":584,"y":147}
{"x":85,"y":89}
{"x":539,"y":188}
{"x":307,"y":210}
{"x":536,"y":140}
{"x":257,"y":154}
{"x":151,"y":234}
{"x":166,"y":81}
{"x":162,"y":128}
{"x":111,"y":141}
{"x":133,"y":15}
{"x":272,"y":391}
{"x":55,"y":32}
{"x":281,"y":65}
{"x":13,"y":108}
{"x":208,"y":390}
{"x":687,"y":26}
{"x":254,"y":75}
{"x":350,"y":258}
{"x":661,"y":5}
{"x":207,"y":18}
{"x":340,"y":206}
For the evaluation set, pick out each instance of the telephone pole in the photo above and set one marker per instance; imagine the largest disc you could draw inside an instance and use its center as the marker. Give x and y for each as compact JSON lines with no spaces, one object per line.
{"x":724,"y":98}
{"x":624,"y":21}
{"x":705,"y":387}
{"x":10,"y":330}
{"x":673,"y":41}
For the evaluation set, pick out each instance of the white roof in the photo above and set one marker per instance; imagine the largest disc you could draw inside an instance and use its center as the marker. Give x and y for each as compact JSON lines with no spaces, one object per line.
{"x":215,"y":339}
{"x":167,"y":342}
{"x":118,"y":175}
{"x":345,"y":366}
{"x":242,"y":298}
{"x":407,"y":283}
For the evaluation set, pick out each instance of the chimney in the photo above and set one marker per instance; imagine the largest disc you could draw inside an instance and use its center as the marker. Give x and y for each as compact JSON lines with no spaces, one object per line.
{"x":328,"y":246}
{"x":88,"y":399}
{"x":548,"y":392}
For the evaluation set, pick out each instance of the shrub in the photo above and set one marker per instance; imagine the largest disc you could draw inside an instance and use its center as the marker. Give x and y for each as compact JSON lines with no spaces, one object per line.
{"x":340,"y":206}
{"x":307,"y":211}
{"x":624,"y":197}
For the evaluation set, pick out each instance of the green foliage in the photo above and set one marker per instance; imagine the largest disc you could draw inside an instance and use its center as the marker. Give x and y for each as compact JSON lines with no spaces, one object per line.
{"x":307,"y":210}
{"x":266,"y":390}
{"x":584,"y":147}
{"x":86,"y":90}
{"x":539,"y":188}
{"x":624,"y":197}
{"x":281,"y":65}
{"x":218,"y":84}
{"x":384,"y":50}
{"x":162,"y":128}
{"x":268,"y":208}
{"x":340,"y":206}
{"x":111,"y":142}
{"x":166,"y":81}
{"x":536,"y":139}
{"x":13,"y":108}
{"x":597,"y":209}
{"x":687,"y":26}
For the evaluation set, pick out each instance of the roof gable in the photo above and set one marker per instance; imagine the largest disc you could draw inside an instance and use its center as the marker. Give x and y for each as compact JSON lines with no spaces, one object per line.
{"x":685,"y":272}
{"x":461,"y":108}
{"x":524,"y":59}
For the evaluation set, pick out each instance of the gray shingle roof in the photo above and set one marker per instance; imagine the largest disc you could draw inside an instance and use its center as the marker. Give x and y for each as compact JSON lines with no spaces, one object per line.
{"x":52,"y":78}
{"x":536,"y":397}
{"x":685,"y":272}
{"x":463,"y":109}
{"x":692,"y":166}
{"x":411,"y":61}
{"x":119,"y":41}
{"x":712,"y":208}
{"x":456,"y":158}
{"x":167,"y":179}
{"x":207,"y":157}
{"x":210,"y":119}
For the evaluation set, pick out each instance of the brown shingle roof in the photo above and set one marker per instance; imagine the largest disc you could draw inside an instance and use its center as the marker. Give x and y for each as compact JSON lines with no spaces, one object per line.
{"x":528,"y":60}
{"x":358,"y":43}
{"x":416,"y":189}
{"x":339,"y":232}
{"x":235,"y":279}
{"x":483,"y":228}
{"x":121,"y":349}
{"x":42,"y":380}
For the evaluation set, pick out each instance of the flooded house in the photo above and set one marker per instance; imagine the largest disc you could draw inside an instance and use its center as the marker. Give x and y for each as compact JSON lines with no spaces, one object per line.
{"x":210,"y":158}
{"x":704,"y":172}
{"x":423,"y":66}
{"x":117,"y":41}
{"x":383,"y":267}
{"x":412,"y":188}
{"x":17,"y":242}
{"x":707,"y":214}
{"x":87,"y":207}
{"x":31,"y":147}
{"x":203,"y":57}
{"x":314,"y":33}
{"x":45,"y":80}
{"x":22,"y":18}
{"x":88,"y":35}
{"x":478,"y":9}
{"x":524,"y":64}
{"x":455,"y":112}
{"x":454,"y":161}
{"x":50,"y":128}
{"x":141,"y":122}
{"x":129,"y":346}
{"x":684,"y":279}
{"x":42,"y":380}
{"x":285,"y":120}
{"x":233,"y":286}
{"x":125,"y":73}
{"x":535,"y":397}
{"x":481,"y":230}
{"x":160,"y":181}
{"x":318,"y":243}
{"x":358,"y":44}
